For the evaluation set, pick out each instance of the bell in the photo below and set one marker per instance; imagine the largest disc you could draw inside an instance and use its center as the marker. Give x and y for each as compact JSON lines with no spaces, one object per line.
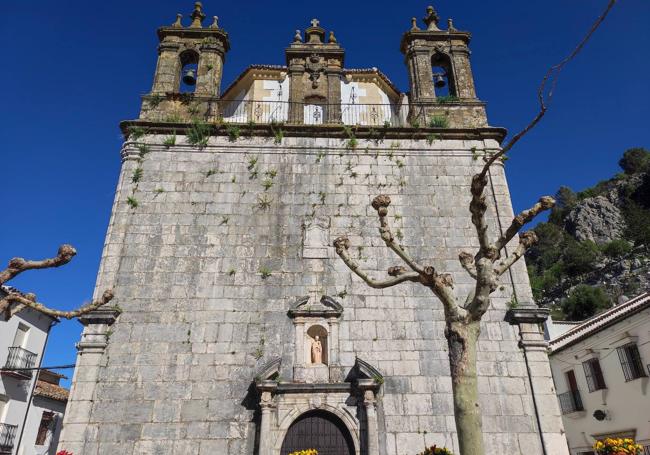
{"x":189,"y":78}
{"x":440,"y":82}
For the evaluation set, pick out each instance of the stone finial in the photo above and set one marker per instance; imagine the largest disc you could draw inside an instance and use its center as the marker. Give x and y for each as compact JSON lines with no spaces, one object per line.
{"x":197,"y":15}
{"x":215,"y":22}
{"x":297,"y":38}
{"x":332,"y":38}
{"x":431,"y":19}
{"x":414,"y":24}
{"x":450,"y":25}
{"x":315,"y":34}
{"x":177,"y":23}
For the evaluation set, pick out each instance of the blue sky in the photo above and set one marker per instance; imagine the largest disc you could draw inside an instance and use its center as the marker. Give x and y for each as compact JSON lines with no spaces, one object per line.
{"x":74,"y":69}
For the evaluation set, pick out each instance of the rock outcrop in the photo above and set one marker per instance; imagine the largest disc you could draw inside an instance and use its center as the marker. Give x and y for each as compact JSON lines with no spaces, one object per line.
{"x":598,"y":219}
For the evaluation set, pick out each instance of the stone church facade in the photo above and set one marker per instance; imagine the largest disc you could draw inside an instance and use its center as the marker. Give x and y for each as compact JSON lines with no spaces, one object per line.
{"x":237,"y":329}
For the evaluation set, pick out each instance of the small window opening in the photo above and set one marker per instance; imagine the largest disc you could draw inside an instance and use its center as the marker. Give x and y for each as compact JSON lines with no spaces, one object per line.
{"x":189,"y":71}
{"x":45,"y":428}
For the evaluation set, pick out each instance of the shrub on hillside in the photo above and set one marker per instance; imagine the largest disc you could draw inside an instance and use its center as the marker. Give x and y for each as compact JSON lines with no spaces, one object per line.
{"x":580,"y":257}
{"x":584,"y":302}
{"x":635,"y":160}
{"x":616,"y":248}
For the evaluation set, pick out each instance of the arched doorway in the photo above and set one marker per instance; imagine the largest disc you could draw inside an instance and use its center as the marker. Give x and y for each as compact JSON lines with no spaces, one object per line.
{"x":321,"y":431}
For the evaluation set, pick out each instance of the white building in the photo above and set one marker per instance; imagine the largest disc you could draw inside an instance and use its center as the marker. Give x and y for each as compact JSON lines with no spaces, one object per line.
{"x":22,"y":343}
{"x":600,"y":368}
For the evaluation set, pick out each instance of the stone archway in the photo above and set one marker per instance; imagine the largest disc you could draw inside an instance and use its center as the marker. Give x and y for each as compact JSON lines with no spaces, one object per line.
{"x":318,"y":430}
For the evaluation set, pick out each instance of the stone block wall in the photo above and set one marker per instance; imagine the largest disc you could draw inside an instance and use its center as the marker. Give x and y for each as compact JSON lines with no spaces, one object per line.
{"x":207,"y":265}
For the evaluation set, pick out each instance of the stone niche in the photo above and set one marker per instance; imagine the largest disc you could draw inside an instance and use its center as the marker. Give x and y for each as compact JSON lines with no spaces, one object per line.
{"x":316,"y":329}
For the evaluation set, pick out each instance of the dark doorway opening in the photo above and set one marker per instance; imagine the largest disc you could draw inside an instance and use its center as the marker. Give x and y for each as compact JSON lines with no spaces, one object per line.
{"x":321,"y":431}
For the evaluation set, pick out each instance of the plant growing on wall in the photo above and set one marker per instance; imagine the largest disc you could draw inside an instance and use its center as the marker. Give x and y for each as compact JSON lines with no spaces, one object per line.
{"x":435,"y":450}
{"x":15,"y":301}
{"x":463,"y":313}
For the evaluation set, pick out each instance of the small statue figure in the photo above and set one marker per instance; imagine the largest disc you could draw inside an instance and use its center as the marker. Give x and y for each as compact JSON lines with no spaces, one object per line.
{"x":450,"y":25}
{"x":332,"y":37}
{"x":177,"y":23}
{"x":215,"y":22}
{"x":414,"y":24}
{"x":316,"y":351}
{"x":297,"y":38}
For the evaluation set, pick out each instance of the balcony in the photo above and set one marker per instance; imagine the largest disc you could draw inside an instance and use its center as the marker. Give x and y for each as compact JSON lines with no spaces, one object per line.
{"x":18,"y":363}
{"x":7,"y":436}
{"x":570,"y":402}
{"x":261,"y":112}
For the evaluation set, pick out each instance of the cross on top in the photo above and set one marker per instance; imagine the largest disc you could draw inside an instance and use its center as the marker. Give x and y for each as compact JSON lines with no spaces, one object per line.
{"x":315,"y":22}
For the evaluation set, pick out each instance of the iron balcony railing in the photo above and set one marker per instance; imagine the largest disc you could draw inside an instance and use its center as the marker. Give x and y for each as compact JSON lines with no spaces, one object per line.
{"x":249,"y":111}
{"x":18,"y":360}
{"x":7,"y":436}
{"x":570,"y":402}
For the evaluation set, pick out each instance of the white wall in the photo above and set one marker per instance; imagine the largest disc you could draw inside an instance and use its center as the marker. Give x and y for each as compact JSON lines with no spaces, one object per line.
{"x":626,"y":403}
{"x":18,"y":390}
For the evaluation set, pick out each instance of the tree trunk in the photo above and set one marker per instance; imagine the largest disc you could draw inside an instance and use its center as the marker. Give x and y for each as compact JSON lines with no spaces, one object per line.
{"x":461,"y":338}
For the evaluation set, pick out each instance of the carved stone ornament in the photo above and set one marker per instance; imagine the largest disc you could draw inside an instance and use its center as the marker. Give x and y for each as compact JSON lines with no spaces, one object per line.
{"x":327,"y":307}
{"x":315,"y":68}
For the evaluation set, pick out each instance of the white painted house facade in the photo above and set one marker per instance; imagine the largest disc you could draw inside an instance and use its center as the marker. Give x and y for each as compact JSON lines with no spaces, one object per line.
{"x":22,"y":343}
{"x":600,"y":367}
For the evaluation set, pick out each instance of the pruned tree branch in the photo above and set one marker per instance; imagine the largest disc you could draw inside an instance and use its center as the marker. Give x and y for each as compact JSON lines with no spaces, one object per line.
{"x":544,"y":96}
{"x":18,"y":265}
{"x":478,"y":207}
{"x":467,"y":261}
{"x":342,"y":245}
{"x":380,"y":204}
{"x":21,"y":302}
{"x":526,"y":240}
{"x":544,"y":203}
{"x":15,"y":302}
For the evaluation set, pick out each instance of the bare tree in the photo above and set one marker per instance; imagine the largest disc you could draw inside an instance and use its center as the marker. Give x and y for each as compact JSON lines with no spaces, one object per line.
{"x":14,"y":302}
{"x":463,"y":314}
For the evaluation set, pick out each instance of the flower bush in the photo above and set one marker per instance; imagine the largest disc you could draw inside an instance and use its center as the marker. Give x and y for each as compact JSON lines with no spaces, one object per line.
{"x":617,"y":446}
{"x":305,"y":452}
{"x":435,"y":450}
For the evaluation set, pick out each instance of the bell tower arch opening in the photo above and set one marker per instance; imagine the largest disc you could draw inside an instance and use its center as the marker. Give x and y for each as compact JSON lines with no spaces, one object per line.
{"x":320,"y":430}
{"x":189,"y":63}
{"x":443,"y":80}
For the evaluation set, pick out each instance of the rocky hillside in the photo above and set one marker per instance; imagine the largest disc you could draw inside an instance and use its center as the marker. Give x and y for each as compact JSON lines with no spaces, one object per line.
{"x":595,"y":247}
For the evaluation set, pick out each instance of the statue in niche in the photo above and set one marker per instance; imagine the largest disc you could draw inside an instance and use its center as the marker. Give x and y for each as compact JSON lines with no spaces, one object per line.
{"x":316,"y":351}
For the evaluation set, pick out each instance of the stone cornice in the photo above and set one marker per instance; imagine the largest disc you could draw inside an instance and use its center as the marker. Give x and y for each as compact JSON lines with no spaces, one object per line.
{"x":531,"y":314}
{"x":330,"y":131}
{"x":441,"y":36}
{"x":195,"y":33}
{"x":103,"y":315}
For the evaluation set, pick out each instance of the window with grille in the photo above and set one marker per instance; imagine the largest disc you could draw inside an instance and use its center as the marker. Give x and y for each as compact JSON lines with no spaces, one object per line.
{"x":631,"y":361}
{"x":594,"y":375}
{"x":44,"y":427}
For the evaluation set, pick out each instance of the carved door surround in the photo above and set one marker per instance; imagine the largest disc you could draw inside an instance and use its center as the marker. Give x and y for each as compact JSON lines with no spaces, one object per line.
{"x":353,"y":402}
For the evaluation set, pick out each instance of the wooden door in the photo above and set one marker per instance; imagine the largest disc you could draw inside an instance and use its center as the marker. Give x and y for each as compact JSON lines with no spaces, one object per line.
{"x":321,"y":431}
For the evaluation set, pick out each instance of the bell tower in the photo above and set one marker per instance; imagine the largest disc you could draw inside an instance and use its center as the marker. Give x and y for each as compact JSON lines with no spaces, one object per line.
{"x":189,"y":70}
{"x":440,"y":75}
